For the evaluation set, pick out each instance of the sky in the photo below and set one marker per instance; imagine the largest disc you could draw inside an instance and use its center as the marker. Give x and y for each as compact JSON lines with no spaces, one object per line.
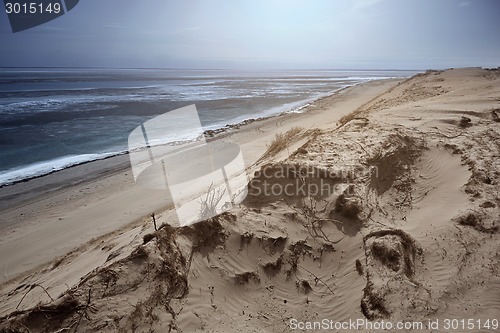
{"x":262,"y":34}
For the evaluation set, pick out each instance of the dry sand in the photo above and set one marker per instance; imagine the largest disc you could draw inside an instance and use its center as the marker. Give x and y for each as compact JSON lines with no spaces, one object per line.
{"x":410,"y":232}
{"x":49,"y":216}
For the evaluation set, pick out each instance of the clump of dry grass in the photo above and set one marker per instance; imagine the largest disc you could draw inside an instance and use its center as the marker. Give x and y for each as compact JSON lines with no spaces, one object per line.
{"x":273,"y":244}
{"x":281,"y":141}
{"x":244,"y":278}
{"x":302,"y":151}
{"x":359,"y":267}
{"x":465,"y":122}
{"x":246,"y":239}
{"x":139,"y":252}
{"x":147,"y":238}
{"x":209,"y":205}
{"x":408,"y":251}
{"x":274,"y":267}
{"x":304,"y":286}
{"x":373,"y":303}
{"x":494,"y":115}
{"x":475,"y":219}
{"x":49,"y":314}
{"x":387,"y":254}
{"x":206,"y":235}
{"x":347,"y":207}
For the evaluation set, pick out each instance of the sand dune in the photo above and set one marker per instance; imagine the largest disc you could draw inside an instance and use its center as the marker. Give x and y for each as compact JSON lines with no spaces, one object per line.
{"x":400,"y":222}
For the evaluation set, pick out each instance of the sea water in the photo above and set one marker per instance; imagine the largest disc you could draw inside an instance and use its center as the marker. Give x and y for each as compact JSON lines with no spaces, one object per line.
{"x":51,"y":119}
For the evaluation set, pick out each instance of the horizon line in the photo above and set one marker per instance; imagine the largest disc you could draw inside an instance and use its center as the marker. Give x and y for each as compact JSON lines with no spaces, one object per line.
{"x":218,"y":69}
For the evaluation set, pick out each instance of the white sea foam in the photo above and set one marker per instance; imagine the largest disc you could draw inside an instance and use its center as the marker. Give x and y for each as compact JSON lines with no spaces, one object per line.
{"x":43,"y":168}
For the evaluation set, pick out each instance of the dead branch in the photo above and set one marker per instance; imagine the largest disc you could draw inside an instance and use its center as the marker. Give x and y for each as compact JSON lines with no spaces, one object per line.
{"x":33,"y":287}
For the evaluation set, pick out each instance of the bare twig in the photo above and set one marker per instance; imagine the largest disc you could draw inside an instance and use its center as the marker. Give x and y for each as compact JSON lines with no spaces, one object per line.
{"x":154,"y":221}
{"x":208,"y":206}
{"x":33,"y":287}
{"x":84,"y":311}
{"x":316,"y":278}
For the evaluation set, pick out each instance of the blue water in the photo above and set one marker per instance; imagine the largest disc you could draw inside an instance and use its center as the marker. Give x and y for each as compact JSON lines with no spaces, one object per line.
{"x":54,"y":118}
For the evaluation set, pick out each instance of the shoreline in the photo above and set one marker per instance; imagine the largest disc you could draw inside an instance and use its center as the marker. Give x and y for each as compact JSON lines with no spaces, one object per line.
{"x":42,"y":204}
{"x":211,"y":133}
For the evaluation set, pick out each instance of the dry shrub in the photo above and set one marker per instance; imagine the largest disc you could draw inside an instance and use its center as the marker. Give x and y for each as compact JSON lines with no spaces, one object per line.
{"x":388,"y":255}
{"x":147,"y":238}
{"x":246,"y":239}
{"x":302,"y":151}
{"x":359,"y":267}
{"x":327,"y":247}
{"x":139,"y":253}
{"x":346,"y":207}
{"x":300,"y":248}
{"x":274,"y":267}
{"x":494,"y":115}
{"x":44,"y":318}
{"x":455,"y":150}
{"x":244,"y":278}
{"x":210,"y":204}
{"x":372,"y":304}
{"x":56,"y":262}
{"x":465,"y":122}
{"x":273,"y":244}
{"x":303,"y":286}
{"x":469,"y":219}
{"x":393,"y":162}
{"x":293,"y":263}
{"x":487,"y":204}
{"x":408,"y":251}
{"x":475,"y":219}
{"x":206,"y":235}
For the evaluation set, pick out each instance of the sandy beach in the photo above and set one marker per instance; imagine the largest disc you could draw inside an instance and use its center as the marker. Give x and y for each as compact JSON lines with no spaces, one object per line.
{"x":70,"y":207}
{"x":403,"y":225}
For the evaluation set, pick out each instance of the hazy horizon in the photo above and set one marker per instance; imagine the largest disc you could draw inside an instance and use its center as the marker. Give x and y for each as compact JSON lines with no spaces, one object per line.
{"x":232,"y":69}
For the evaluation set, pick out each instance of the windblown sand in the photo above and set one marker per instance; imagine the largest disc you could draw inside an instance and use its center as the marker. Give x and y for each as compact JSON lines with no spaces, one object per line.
{"x":409,"y":233}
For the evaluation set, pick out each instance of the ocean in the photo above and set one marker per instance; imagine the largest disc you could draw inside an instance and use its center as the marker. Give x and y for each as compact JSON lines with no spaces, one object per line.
{"x":51,"y":119}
